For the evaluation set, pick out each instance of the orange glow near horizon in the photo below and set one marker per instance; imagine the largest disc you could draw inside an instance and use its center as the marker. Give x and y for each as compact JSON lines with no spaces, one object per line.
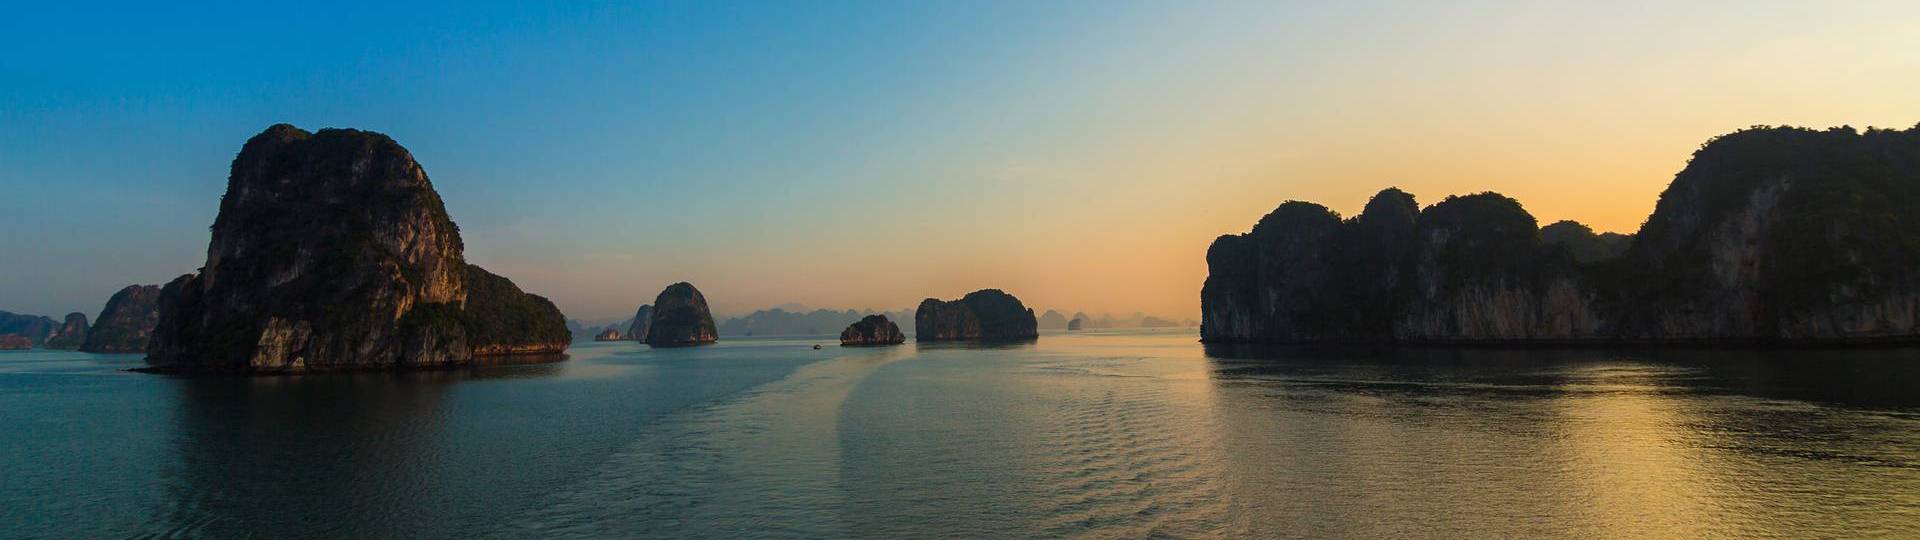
{"x":870,"y":157}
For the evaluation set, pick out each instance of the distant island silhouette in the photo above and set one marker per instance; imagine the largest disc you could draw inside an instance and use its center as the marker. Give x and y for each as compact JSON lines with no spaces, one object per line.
{"x":1769,"y":235}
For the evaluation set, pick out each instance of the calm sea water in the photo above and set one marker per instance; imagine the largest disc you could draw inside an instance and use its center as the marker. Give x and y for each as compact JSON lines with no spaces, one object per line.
{"x":1125,"y":435}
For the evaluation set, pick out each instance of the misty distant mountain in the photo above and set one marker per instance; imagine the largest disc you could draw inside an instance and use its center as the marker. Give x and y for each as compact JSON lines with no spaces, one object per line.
{"x":34,"y":328}
{"x":1053,"y":320}
{"x":781,"y":322}
{"x":585,"y":329}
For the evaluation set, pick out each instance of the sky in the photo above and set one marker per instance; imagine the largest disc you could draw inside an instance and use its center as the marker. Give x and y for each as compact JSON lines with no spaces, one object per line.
{"x":1080,"y":155}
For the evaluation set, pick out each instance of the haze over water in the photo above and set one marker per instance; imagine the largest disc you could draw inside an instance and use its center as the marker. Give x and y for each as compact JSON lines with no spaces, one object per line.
{"x":1121,"y":434}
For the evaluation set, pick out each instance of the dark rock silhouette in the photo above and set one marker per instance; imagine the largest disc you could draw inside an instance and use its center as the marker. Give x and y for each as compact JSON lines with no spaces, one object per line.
{"x":872,"y":330}
{"x":1076,"y":325}
{"x":607,"y":335}
{"x":499,"y":319}
{"x":331,"y":252}
{"x":71,"y":335}
{"x":983,"y":315}
{"x":126,"y":323}
{"x":1581,"y":242}
{"x":681,"y":318}
{"x":1769,"y":235}
{"x":642,"y":322}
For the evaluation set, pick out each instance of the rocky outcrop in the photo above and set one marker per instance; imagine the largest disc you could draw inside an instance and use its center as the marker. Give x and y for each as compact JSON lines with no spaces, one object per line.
{"x":126,"y":323}
{"x":642,"y":323}
{"x":333,"y":252}
{"x":1076,"y":325}
{"x":607,"y":335}
{"x":14,"y":342}
{"x":499,"y":319}
{"x":1770,"y":235}
{"x":1470,"y":268}
{"x":872,"y":330}
{"x":1582,"y":243}
{"x":681,"y":318}
{"x":71,"y":335}
{"x":33,"y":328}
{"x":983,"y":315}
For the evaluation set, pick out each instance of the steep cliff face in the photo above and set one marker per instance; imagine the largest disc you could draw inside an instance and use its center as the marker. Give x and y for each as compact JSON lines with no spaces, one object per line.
{"x":332,"y":251}
{"x":983,"y":315}
{"x":936,"y":320}
{"x":1784,"y":234}
{"x":642,"y":324}
{"x":870,"y":331}
{"x":1304,"y":274}
{"x":1768,"y":235}
{"x":71,"y":335}
{"x":681,"y":318}
{"x":126,"y":324}
{"x":1482,"y":274}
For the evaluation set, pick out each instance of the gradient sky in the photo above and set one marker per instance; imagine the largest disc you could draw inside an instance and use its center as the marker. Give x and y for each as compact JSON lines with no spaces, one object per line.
{"x":1080,"y":155}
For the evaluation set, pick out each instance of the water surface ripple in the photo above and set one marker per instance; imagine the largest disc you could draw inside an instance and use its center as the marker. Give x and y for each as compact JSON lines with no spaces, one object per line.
{"x":1122,"y":434}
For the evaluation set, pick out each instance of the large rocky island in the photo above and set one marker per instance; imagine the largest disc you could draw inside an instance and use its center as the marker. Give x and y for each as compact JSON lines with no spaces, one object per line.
{"x":333,"y":252}
{"x":681,"y":318}
{"x":983,"y":315}
{"x":1769,"y":235}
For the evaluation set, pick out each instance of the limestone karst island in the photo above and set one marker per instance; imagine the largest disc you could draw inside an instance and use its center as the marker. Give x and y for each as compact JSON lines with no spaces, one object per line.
{"x":333,"y":252}
{"x":1770,"y":235}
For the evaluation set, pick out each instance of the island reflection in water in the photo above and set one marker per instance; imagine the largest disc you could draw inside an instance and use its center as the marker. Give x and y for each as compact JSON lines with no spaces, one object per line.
{"x":1127,"y":434}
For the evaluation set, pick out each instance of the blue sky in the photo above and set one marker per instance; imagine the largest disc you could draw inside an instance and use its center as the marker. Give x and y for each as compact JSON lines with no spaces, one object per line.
{"x":866,"y":155}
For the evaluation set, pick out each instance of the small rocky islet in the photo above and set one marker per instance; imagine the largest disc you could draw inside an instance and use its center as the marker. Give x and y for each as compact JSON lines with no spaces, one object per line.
{"x":872,"y":330}
{"x":680,"y":318}
{"x":1768,"y":235}
{"x":332,"y":252}
{"x":72,"y":333}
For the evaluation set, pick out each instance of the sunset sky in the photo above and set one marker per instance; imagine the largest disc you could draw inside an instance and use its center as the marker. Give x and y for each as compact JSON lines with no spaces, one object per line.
{"x":1080,"y":155}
